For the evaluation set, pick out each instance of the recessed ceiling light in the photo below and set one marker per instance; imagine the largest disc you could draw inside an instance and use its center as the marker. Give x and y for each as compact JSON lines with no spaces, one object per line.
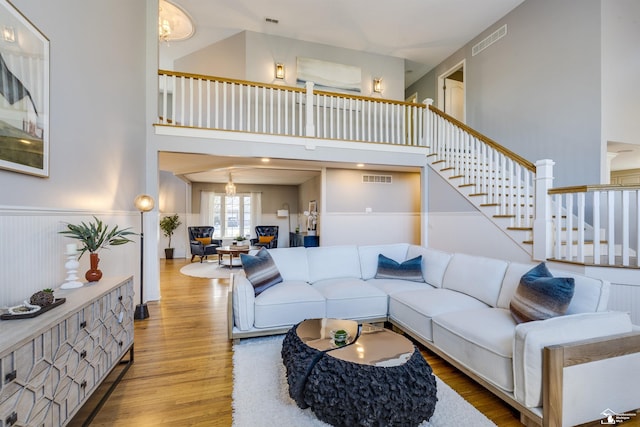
{"x":266,"y":160}
{"x":360,"y":165}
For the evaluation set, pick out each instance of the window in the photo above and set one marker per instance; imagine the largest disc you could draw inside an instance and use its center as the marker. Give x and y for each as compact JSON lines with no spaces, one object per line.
{"x":230,"y":215}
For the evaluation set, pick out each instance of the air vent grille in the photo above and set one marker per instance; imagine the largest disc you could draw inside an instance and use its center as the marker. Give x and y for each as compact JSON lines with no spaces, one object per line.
{"x":489,"y":40}
{"x":377,"y":179}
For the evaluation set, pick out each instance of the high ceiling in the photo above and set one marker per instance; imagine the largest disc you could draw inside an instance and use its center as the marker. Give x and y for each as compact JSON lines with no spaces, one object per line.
{"x":422,"y":32}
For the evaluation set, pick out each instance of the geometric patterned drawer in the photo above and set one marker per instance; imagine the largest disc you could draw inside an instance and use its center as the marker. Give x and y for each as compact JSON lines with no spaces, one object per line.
{"x":46,"y":379}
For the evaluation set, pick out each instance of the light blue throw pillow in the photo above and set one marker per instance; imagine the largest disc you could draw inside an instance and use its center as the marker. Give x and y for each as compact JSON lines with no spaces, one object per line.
{"x":410,"y":269}
{"x":260,"y":270}
{"x":541,"y":296}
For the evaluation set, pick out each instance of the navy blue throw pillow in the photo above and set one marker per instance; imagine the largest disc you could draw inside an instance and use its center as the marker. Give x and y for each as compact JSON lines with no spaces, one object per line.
{"x":409,"y":270}
{"x":260,"y":270}
{"x":541,"y":296}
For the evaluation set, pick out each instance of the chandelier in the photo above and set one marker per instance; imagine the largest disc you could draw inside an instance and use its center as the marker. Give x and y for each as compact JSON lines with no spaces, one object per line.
{"x":230,"y":188}
{"x":174,"y":23}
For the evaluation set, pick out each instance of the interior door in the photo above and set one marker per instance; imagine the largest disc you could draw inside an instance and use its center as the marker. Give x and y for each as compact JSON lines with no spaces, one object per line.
{"x":454,"y":99}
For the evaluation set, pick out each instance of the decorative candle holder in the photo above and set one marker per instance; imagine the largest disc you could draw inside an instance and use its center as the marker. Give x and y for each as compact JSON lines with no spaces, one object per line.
{"x":71,"y":265}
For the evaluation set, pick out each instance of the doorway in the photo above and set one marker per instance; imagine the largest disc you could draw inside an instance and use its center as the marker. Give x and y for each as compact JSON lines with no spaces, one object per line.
{"x":451,"y":92}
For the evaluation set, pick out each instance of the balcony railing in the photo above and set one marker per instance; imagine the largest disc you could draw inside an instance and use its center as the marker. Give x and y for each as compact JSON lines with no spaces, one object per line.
{"x":200,"y":101}
{"x":596,"y":225}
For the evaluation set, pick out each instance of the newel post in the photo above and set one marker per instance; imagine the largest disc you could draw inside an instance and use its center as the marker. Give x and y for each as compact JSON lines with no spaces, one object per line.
{"x":543,"y":222}
{"x":311,"y":127}
{"x":427,"y":123}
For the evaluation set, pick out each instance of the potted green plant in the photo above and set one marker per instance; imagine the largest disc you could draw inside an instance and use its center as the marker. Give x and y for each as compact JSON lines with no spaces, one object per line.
{"x":95,"y":236}
{"x":169,"y":225}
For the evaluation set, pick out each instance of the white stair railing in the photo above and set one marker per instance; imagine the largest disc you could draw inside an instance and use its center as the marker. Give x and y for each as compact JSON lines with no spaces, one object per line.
{"x":503,"y":179}
{"x":597,"y":224}
{"x":209,"y":102}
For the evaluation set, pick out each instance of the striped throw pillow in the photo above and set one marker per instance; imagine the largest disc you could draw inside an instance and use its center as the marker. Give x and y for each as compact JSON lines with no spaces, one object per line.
{"x":409,"y":270}
{"x":541,"y":296}
{"x":260,"y":270}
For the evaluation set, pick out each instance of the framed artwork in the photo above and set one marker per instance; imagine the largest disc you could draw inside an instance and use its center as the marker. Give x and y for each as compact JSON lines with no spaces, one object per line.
{"x":24,"y":94}
{"x":313,"y":206}
{"x":329,"y":75}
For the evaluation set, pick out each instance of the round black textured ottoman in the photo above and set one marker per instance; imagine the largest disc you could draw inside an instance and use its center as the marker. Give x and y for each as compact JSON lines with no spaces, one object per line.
{"x":381,"y":379}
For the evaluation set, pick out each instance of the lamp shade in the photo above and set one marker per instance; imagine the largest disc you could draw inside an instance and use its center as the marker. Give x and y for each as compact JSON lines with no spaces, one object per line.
{"x":144,"y":203}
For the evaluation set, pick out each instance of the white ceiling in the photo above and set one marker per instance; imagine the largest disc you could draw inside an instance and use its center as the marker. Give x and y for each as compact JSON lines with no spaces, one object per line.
{"x":627,"y":156}
{"x":423,"y":32}
{"x":251,"y":170}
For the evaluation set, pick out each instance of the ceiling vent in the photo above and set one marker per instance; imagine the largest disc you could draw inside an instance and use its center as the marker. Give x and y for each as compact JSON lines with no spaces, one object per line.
{"x":488,"y":41}
{"x":376,"y":179}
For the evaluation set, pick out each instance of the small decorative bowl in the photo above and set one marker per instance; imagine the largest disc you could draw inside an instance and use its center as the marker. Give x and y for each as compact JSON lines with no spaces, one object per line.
{"x":24,"y":309}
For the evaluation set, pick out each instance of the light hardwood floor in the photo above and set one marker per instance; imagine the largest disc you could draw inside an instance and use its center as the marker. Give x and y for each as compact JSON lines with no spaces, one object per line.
{"x":182,"y":374}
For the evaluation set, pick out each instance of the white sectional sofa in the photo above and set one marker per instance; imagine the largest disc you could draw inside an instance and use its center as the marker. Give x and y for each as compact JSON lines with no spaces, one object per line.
{"x":554,"y":371}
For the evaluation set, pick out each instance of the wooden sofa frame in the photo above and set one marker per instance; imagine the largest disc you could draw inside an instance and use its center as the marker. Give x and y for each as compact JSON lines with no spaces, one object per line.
{"x":556,"y":358}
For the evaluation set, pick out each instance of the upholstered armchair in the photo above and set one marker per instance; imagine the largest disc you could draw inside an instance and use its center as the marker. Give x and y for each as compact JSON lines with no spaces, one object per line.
{"x":266,"y":236}
{"x":202,"y":242}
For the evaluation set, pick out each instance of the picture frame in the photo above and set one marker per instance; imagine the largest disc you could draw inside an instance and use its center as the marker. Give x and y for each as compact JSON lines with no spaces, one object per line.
{"x":313,"y":206}
{"x":24,"y":94}
{"x":329,"y":75}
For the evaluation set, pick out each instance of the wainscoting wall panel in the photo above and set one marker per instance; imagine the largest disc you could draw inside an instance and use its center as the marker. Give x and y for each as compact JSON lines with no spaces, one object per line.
{"x":32,"y":251}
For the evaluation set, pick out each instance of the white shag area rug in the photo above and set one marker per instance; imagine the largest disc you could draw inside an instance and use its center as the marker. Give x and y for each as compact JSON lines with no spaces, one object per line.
{"x":209,"y":270}
{"x":261,"y":394}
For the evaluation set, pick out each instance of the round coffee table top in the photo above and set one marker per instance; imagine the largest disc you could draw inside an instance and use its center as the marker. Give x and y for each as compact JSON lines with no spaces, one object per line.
{"x":233,"y":249}
{"x":376,"y":346}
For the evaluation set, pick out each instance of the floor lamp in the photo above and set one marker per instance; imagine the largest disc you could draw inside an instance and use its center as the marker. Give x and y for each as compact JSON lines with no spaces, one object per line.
{"x":144,"y":203}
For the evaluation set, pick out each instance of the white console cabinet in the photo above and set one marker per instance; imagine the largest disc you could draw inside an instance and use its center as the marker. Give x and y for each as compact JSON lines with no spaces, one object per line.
{"x":52,"y":363}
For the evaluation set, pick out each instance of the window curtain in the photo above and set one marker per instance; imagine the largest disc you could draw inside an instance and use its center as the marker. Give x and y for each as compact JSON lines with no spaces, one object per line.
{"x":256,"y":212}
{"x":206,"y":216}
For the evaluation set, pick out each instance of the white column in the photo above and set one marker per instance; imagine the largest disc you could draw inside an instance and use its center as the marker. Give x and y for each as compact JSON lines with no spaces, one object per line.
{"x":543,"y":223}
{"x":311,"y":128}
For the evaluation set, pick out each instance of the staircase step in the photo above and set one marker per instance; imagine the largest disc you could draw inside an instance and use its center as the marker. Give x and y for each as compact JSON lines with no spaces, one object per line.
{"x":604,"y":262}
{"x":521,"y":229}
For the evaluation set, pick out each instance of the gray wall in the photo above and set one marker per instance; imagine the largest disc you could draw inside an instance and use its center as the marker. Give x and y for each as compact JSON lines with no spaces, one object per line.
{"x":274,"y":197}
{"x":172,"y":199}
{"x":97,"y":107}
{"x":537,"y":90}
{"x":97,"y":144}
{"x":347,"y":193}
{"x":207,"y":60}
{"x":251,"y":56}
{"x":442,"y":198}
{"x":620,"y":71}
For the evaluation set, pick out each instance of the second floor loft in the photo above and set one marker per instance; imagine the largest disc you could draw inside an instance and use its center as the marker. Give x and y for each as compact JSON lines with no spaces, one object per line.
{"x":586,"y":224}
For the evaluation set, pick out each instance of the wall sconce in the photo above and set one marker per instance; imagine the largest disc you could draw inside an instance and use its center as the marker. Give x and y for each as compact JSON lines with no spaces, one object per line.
{"x":8,"y":34}
{"x":279,"y":71}
{"x":377,"y":84}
